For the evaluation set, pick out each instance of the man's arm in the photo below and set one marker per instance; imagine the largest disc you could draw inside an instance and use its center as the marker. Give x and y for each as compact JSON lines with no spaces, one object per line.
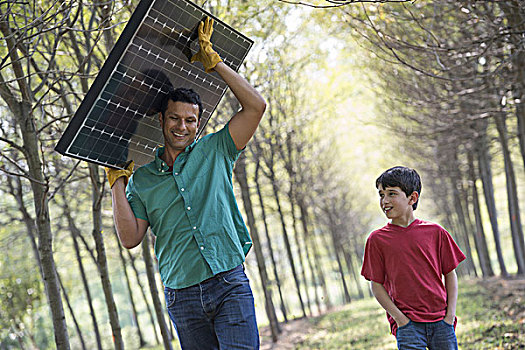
{"x":451,"y":285}
{"x":130,"y":229}
{"x":244,"y":123}
{"x":384,"y":300}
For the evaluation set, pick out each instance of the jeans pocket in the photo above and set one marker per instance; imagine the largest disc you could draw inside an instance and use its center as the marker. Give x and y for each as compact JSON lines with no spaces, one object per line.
{"x":446,"y":323}
{"x":405,"y":326}
{"x":170,"y":297}
{"x":235,"y":277}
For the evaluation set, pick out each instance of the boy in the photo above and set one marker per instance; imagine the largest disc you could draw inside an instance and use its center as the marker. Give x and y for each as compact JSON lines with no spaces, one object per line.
{"x":406,"y":261}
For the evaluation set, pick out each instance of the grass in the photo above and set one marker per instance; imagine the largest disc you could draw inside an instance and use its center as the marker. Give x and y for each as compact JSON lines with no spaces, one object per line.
{"x":363,"y":325}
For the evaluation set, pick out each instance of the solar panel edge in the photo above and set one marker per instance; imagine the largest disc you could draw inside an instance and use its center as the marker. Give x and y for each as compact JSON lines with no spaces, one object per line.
{"x":70,"y":142}
{"x":104,"y":73}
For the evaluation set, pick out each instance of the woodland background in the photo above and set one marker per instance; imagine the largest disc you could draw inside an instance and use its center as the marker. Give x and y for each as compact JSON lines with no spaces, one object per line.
{"x":352,"y":87}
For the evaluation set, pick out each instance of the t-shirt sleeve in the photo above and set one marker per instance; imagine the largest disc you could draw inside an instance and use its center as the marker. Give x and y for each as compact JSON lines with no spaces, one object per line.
{"x":373,"y":264}
{"x":451,"y":255}
{"x":134,"y":200}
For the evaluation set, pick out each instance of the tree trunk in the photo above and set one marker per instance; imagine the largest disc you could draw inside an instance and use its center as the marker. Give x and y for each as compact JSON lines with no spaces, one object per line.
{"x":74,"y":231}
{"x":144,"y":297}
{"x":485,"y":173}
{"x":319,"y":271}
{"x":512,"y":196}
{"x":23,"y":113}
{"x":72,"y":312}
{"x":307,"y":241}
{"x":240,"y":176}
{"x":287,"y":241}
{"x":337,"y":250}
{"x":148,"y":260}
{"x":479,"y":234}
{"x":97,"y":190}
{"x":142,"y":342}
{"x":299,"y":247}
{"x":269,"y":241}
{"x":516,"y":20}
{"x":351,"y":270}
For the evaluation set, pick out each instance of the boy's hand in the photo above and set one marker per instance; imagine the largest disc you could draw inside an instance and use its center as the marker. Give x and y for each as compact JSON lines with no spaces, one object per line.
{"x":206,"y":55}
{"x":403,"y":321}
{"x":449,"y":319}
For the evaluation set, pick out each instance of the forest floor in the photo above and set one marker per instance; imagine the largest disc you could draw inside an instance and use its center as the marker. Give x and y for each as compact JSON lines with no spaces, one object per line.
{"x":491,"y":315}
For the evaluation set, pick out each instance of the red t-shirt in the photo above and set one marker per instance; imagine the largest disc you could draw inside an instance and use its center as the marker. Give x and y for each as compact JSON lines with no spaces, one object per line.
{"x":410,"y":263}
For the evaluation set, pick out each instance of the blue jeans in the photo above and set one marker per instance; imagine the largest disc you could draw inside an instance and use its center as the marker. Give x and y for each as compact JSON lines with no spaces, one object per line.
{"x":218,"y":313}
{"x":420,"y":335}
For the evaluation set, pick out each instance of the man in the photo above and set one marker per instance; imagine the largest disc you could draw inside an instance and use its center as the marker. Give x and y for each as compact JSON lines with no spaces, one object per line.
{"x":187,"y":198}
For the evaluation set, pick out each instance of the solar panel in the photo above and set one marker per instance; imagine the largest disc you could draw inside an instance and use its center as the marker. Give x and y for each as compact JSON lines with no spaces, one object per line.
{"x":118,"y":119}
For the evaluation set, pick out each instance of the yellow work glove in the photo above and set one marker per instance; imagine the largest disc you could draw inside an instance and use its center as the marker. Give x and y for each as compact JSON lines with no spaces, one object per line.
{"x":114,"y":174}
{"x":206,"y":55}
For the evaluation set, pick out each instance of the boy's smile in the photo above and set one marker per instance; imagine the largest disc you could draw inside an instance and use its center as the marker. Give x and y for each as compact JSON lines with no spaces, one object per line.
{"x":396,"y":205}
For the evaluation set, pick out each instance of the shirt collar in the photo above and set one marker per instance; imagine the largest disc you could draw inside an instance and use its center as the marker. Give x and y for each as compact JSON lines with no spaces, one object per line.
{"x":161,"y":165}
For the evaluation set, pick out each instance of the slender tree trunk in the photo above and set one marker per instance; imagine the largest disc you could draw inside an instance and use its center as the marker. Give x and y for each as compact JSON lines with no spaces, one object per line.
{"x":516,"y":21}
{"x":144,"y":297}
{"x":319,"y":270}
{"x":102,"y":264}
{"x":142,"y":342}
{"x":479,"y":234}
{"x":456,"y":188}
{"x":297,"y":239}
{"x":488,"y":191}
{"x":269,"y":241}
{"x":287,"y":241}
{"x":337,"y":250}
{"x":148,"y":260}
{"x":74,"y":231}
{"x":72,"y":312}
{"x":240,"y":175}
{"x":23,"y":112}
{"x":512,"y":196}
{"x":307,"y":241}
{"x":351,"y":270}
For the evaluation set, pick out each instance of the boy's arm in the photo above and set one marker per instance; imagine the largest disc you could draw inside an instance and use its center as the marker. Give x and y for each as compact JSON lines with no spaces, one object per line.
{"x":384,"y":300}
{"x":451,"y":285}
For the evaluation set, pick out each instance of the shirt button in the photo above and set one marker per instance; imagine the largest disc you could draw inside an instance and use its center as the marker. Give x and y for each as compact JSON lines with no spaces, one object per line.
{"x":189,"y":208}
{"x":202,"y":248}
{"x":182,"y":189}
{"x":194,"y":227}
{"x":176,"y":173}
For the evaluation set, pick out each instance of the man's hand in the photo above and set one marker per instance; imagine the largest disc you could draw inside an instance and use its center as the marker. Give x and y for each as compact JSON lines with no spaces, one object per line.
{"x":206,"y":55}
{"x":114,"y":174}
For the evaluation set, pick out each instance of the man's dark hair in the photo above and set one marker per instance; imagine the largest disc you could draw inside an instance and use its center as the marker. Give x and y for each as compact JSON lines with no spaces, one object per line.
{"x":400,"y":176}
{"x":181,"y":95}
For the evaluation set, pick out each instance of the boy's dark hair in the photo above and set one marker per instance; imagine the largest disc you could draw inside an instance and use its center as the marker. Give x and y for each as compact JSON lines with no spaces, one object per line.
{"x":400,"y":176}
{"x":181,"y":95}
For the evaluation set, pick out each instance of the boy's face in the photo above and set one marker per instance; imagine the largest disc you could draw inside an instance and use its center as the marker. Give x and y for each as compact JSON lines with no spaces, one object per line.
{"x":395,"y":203}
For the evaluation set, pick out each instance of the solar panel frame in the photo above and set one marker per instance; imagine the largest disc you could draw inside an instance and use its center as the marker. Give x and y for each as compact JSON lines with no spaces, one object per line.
{"x":107,"y":125}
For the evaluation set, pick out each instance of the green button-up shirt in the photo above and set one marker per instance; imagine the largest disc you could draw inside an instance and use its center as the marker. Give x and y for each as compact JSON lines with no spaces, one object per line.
{"x":192,"y":210}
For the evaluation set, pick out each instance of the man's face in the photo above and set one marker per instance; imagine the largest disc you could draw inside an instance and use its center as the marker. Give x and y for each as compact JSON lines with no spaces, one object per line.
{"x":179,"y":125}
{"x":394,"y":202}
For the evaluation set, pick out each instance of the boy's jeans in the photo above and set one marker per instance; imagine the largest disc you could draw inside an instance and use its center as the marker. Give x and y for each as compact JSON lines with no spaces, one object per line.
{"x":216,"y":313}
{"x":420,"y":335}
